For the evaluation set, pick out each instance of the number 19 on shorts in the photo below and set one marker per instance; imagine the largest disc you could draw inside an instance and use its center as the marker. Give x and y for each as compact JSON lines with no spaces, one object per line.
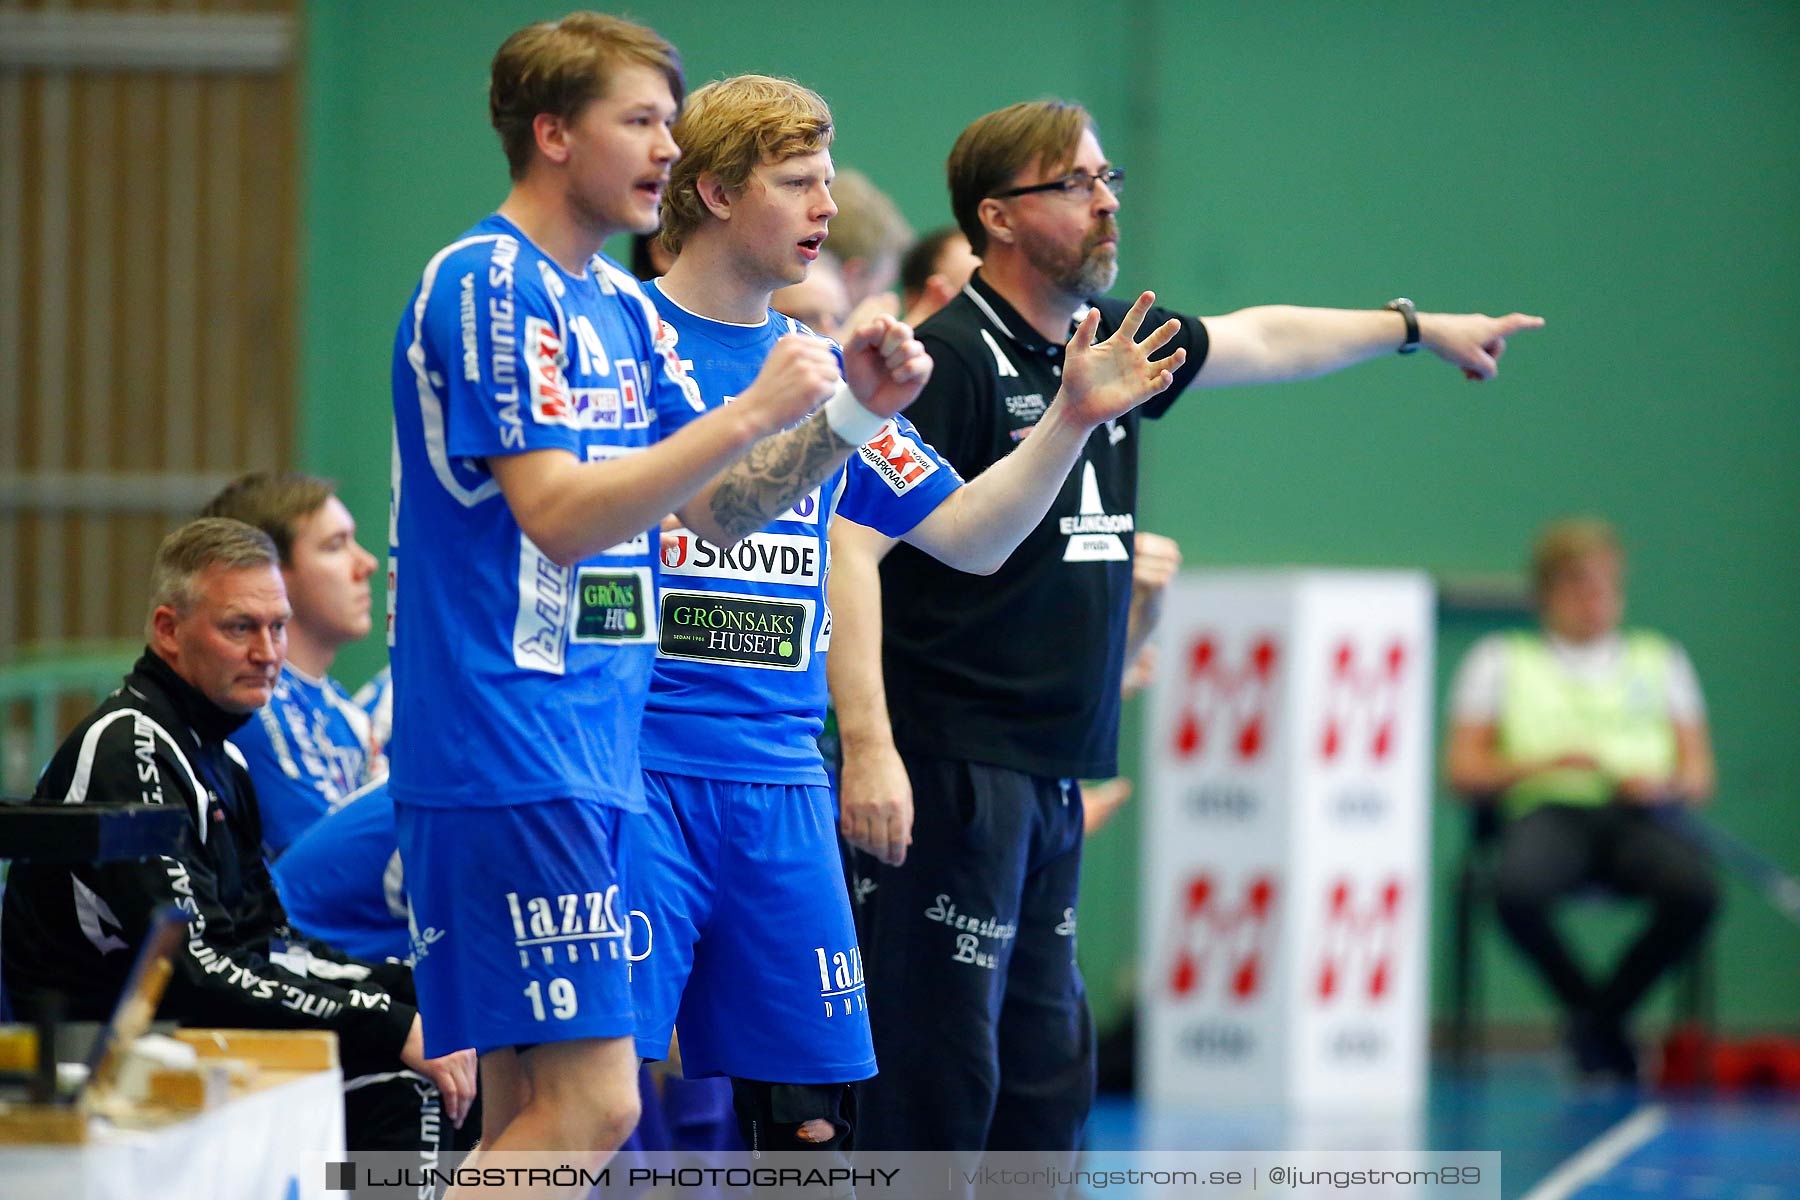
{"x":562,"y":999}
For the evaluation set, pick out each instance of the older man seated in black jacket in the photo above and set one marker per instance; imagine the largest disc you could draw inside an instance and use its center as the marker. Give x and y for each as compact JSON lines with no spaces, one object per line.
{"x":217,"y":633}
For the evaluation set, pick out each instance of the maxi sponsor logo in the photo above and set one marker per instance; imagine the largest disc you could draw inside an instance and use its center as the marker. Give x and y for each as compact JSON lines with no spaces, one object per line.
{"x":748,"y":631}
{"x":897,"y":459}
{"x":1223,"y":703}
{"x":550,"y":401}
{"x":759,"y":558}
{"x":555,"y":402}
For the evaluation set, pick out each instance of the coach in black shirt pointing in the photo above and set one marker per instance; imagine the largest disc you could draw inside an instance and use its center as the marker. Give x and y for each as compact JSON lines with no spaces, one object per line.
{"x":1004,"y":690}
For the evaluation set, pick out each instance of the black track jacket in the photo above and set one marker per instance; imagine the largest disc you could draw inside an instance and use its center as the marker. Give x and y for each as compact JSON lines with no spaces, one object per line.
{"x":158,"y":740}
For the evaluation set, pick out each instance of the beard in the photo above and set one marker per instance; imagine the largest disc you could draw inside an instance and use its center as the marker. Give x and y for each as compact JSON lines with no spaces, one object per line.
{"x":1084,"y":273}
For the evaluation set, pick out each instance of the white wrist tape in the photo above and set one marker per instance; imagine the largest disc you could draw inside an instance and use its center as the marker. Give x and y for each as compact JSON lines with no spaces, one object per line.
{"x":849,"y":419}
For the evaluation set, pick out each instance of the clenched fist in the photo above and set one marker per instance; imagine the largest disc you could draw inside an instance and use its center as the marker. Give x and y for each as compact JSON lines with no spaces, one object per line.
{"x":885,"y":365}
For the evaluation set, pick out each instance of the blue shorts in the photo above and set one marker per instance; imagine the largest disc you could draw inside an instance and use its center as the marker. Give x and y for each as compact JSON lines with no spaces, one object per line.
{"x":520,"y":927}
{"x":752,"y":951}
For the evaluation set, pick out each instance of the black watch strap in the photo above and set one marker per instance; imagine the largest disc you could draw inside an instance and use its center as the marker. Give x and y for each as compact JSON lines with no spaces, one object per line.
{"x":1404,"y":307}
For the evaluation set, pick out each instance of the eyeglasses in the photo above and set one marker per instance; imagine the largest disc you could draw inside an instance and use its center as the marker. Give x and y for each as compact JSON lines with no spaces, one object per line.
{"x":1075,"y":183}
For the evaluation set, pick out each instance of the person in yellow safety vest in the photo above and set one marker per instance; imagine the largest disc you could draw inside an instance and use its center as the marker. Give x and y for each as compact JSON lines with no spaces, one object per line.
{"x":1580,"y":733}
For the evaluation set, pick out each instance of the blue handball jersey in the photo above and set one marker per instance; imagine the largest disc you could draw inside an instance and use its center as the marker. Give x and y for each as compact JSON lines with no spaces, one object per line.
{"x":739,"y":691}
{"x":517,"y":680}
{"x":341,"y":880}
{"x":307,"y":749}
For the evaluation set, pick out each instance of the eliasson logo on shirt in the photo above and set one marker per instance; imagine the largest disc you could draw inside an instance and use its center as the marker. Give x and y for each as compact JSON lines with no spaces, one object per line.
{"x":1094,"y":534}
{"x":897,"y":459}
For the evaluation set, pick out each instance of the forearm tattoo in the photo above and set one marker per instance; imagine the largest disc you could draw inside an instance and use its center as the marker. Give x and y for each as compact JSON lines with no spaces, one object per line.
{"x":777,"y":471}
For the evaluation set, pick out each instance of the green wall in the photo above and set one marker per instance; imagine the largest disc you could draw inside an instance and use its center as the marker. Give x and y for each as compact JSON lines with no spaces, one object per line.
{"x":1628,"y":171}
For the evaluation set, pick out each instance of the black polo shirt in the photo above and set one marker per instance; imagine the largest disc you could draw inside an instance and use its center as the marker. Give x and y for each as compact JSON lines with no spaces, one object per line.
{"x":1019,"y":669}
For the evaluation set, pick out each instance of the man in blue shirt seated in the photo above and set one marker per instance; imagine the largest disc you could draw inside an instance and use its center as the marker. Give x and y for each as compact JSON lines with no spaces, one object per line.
{"x":311,"y":747}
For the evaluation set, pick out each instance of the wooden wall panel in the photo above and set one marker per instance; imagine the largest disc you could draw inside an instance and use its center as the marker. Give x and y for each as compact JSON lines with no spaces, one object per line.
{"x":148,"y":259}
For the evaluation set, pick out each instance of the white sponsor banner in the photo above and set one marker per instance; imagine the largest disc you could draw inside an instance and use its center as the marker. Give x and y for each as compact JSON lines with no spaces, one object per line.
{"x":1286,"y":840}
{"x":758,"y":558}
{"x":266,"y":1143}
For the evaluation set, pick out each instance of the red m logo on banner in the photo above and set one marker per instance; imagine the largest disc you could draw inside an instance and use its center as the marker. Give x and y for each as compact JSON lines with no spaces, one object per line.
{"x":1214,"y":936}
{"x":1223,"y":702}
{"x":1362,"y":702}
{"x":1360,"y":941}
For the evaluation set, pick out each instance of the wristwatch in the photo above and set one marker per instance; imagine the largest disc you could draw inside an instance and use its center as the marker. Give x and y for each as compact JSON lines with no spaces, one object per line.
{"x":1404,"y":307}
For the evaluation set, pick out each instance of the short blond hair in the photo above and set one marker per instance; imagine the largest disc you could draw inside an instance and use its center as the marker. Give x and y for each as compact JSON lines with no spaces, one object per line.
{"x":559,"y":67}
{"x":194,"y":549}
{"x":1565,"y":542}
{"x":868,"y":224}
{"x":991,"y":152}
{"x":728,"y":129}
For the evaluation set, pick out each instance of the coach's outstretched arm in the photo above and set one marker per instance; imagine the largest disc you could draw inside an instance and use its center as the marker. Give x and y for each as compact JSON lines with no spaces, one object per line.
{"x":985,"y":520}
{"x":729,"y":472}
{"x":1278,"y":342}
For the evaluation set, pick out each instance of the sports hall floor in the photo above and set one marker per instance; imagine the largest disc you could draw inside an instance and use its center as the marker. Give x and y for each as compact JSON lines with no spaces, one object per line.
{"x":1557,"y":1141}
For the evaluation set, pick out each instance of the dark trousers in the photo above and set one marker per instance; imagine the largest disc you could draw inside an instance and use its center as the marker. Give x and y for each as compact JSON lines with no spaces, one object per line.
{"x":982,"y":1032}
{"x":1558,"y":849}
{"x":392,"y":1109}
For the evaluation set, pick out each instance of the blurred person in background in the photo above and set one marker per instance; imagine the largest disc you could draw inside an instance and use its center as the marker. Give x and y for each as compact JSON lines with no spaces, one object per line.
{"x":933,"y":270}
{"x":317,"y":757}
{"x":650,"y":259}
{"x":1580,"y":732}
{"x":868,"y":235}
{"x":312,"y":746}
{"x":1155,"y":560}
